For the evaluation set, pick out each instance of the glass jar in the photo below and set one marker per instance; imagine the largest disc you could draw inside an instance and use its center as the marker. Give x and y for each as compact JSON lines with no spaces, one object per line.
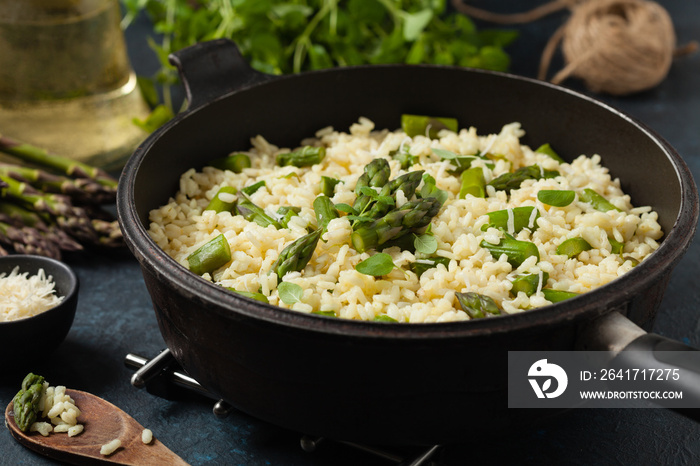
{"x":66,"y":83}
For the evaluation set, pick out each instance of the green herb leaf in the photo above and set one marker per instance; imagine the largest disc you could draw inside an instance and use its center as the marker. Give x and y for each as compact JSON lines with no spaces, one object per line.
{"x":290,"y":293}
{"x":377,"y":265}
{"x":556,"y":197}
{"x":345,"y":208}
{"x":415,"y":23}
{"x":425,"y":244}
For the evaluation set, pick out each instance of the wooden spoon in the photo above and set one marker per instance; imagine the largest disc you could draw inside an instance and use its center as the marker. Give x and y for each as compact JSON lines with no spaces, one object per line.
{"x":103,"y":423}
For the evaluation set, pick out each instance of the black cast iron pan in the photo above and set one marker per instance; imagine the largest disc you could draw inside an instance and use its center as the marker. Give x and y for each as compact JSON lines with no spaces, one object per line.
{"x":392,"y":383}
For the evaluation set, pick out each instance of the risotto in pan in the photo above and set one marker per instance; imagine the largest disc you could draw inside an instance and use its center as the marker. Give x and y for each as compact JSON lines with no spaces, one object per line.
{"x":428,"y":223}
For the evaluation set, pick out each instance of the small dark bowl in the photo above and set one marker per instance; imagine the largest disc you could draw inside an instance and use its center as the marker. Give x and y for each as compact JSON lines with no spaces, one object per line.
{"x":29,"y":338}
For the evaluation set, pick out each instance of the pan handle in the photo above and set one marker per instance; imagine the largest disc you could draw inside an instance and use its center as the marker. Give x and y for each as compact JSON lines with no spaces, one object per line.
{"x":212,"y":69}
{"x":630,"y":347}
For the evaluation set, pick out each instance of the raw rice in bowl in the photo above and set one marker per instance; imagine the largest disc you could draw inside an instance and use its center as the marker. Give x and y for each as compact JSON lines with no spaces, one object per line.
{"x":617,"y":237}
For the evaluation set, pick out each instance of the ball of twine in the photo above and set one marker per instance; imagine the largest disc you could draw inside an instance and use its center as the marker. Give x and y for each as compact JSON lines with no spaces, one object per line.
{"x":618,"y":46}
{"x":615,"y":46}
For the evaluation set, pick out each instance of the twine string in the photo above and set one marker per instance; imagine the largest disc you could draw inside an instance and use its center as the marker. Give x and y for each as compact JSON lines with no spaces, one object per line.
{"x":615,"y":46}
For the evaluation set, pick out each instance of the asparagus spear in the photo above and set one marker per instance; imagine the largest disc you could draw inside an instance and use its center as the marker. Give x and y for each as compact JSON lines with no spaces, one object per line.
{"x":597,"y":201}
{"x":27,"y":240}
{"x":516,"y":251}
{"x":376,"y":174}
{"x":408,"y":182}
{"x":477,"y":305}
{"x":109,"y":233}
{"x":210,"y":256}
{"x":328,"y":185}
{"x":473,"y":183}
{"x":253,"y":213}
{"x":406,"y":219}
{"x":25,"y":404}
{"x":223,"y":200}
{"x":78,"y":189}
{"x":54,"y":204}
{"x":18,"y":216}
{"x":32,"y":154}
{"x":521,"y":217}
{"x":547,"y":150}
{"x":325,"y":211}
{"x":425,"y":264}
{"x":235,"y":162}
{"x":404,"y":157}
{"x":572,"y":247}
{"x":556,"y":296}
{"x":423,"y":125}
{"x":286,"y":213}
{"x":249,"y":294}
{"x":296,"y":255}
{"x":304,"y":157}
{"x":528,"y":283}
{"x":513,"y":180}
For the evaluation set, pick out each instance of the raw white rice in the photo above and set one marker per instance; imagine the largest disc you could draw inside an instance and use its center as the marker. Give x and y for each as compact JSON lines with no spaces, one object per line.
{"x":330,"y":281}
{"x":22,"y":295}
{"x":146,"y":436}
{"x":110,"y":447}
{"x":60,"y":410}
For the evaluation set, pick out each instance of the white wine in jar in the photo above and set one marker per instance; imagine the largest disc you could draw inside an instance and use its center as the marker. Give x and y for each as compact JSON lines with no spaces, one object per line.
{"x":66,"y":83}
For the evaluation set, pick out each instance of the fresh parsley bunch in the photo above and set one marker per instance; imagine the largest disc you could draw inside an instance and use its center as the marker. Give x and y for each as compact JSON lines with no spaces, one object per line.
{"x":290,"y":36}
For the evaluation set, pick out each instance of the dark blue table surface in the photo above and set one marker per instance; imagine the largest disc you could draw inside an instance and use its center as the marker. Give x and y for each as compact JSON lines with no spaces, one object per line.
{"x":115,"y":317}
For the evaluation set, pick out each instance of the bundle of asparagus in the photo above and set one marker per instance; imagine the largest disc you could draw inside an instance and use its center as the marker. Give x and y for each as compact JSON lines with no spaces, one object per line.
{"x":50,"y":204}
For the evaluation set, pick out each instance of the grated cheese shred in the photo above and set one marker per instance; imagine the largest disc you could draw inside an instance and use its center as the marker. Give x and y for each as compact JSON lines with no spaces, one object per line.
{"x":24,"y":296}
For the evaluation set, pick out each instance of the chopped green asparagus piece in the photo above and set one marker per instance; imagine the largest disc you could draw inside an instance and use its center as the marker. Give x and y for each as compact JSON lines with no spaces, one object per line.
{"x":235,"y":162}
{"x":384,"y":318}
{"x":616,"y":246}
{"x":408,"y":182}
{"x":296,"y":255}
{"x":516,"y":251}
{"x":253,"y":188}
{"x":250,"y":294}
{"x":556,"y":296}
{"x":404,"y":157}
{"x":304,"y":157}
{"x":325,"y":211}
{"x":478,"y":306}
{"x":210,"y":256}
{"x":528,"y":283}
{"x":422,"y":125}
{"x":328,"y":185}
{"x":223,"y":201}
{"x":522,"y":217}
{"x":286,"y":213}
{"x":430,"y":189}
{"x":473,"y":183}
{"x":556,"y":197}
{"x":513,"y":180}
{"x":597,"y":201}
{"x":406,"y":219}
{"x":26,"y":402}
{"x":572,"y":247}
{"x":325,"y":313}
{"x":254,"y":213}
{"x":419,"y":267}
{"x":547,"y":150}
{"x":634,"y":261}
